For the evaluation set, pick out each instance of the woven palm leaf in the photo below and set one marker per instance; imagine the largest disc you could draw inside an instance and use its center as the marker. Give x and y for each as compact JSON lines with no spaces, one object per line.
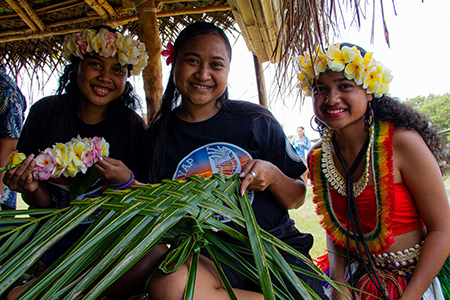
{"x":131,"y":223}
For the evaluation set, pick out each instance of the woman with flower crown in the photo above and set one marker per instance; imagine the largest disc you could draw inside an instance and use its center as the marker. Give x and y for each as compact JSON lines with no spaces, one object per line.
{"x":94,"y":100}
{"x":380,"y":213}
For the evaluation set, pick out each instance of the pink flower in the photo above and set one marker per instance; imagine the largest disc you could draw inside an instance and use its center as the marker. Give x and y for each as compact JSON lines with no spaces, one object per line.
{"x":100,"y":146}
{"x":90,"y":158}
{"x":169,"y":53}
{"x":45,"y":164}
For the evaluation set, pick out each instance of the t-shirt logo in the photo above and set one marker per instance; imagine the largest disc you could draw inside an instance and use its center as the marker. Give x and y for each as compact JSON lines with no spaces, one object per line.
{"x":219,"y":157}
{"x":223,"y":160}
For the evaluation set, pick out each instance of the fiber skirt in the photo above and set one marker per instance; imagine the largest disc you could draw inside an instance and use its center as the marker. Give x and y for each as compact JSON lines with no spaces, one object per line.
{"x":393,"y":282}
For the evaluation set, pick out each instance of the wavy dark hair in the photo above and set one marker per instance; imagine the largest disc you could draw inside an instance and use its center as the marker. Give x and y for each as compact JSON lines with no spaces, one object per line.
{"x":386,"y":108}
{"x":172,"y":97}
{"x":68,"y":82}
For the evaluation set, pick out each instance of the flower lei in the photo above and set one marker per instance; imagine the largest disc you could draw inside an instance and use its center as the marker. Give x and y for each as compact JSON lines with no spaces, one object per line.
{"x":64,"y":159}
{"x":169,"y":53}
{"x":365,"y":71}
{"x":107,"y":44}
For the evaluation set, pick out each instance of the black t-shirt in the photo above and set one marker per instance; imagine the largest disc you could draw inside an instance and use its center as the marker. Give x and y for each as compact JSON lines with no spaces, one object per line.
{"x":240,"y":131}
{"x":54,"y":120}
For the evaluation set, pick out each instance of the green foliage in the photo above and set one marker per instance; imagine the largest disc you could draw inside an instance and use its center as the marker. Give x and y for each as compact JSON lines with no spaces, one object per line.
{"x":132,"y":222}
{"x":436,"y":108}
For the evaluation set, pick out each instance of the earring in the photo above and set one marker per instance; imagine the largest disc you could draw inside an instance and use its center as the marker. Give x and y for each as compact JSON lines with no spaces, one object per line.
{"x":369,"y":115}
{"x":320,"y":125}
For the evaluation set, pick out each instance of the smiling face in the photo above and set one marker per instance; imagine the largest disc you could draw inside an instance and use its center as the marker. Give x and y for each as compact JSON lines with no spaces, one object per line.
{"x":339,"y":102}
{"x":200,"y":71}
{"x":100,"y":80}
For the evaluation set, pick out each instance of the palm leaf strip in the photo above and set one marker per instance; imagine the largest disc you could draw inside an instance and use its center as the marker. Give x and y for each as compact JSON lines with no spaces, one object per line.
{"x":133,"y":221}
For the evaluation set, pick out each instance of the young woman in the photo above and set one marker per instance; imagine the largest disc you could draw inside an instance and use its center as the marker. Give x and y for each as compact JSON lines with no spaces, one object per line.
{"x":376,"y":181}
{"x":200,"y":131}
{"x":94,"y":99}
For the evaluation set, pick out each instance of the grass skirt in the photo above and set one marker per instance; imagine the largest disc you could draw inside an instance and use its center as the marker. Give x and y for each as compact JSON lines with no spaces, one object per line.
{"x":394,"y":282}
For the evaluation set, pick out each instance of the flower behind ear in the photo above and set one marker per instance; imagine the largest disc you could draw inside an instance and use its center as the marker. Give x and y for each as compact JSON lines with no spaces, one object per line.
{"x":169,"y":53}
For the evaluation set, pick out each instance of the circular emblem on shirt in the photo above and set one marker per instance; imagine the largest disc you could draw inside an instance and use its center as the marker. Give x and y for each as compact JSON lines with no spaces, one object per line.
{"x":219,"y":157}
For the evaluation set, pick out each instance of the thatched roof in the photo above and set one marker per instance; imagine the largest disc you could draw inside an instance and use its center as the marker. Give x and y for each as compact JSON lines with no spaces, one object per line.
{"x":31,"y":31}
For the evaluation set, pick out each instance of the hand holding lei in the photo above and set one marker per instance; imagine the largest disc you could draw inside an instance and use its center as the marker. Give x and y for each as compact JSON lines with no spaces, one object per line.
{"x":64,"y":159}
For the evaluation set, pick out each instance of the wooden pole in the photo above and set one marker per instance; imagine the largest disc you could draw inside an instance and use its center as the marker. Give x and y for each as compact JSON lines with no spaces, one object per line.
{"x":260,"y":82}
{"x":152,"y":74}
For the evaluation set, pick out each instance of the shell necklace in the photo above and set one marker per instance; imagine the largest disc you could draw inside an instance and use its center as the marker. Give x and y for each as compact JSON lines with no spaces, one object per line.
{"x":334,"y":178}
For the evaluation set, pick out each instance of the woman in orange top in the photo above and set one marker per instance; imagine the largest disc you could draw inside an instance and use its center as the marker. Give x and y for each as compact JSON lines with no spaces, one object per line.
{"x":379,"y":211}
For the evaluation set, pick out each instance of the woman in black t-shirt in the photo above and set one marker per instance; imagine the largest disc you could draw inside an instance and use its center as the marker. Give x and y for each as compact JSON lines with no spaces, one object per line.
{"x":94,"y":99}
{"x":200,"y":131}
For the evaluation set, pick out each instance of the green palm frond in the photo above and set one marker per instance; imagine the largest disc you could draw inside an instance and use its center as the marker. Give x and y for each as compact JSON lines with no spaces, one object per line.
{"x":134,"y":221}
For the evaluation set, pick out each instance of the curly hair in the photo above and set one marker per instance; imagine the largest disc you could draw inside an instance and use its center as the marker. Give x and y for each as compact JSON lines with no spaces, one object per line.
{"x":403,"y":115}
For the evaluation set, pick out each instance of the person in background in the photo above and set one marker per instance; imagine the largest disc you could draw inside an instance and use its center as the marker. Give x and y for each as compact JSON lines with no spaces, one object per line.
{"x":12,"y":108}
{"x":302,"y":144}
{"x":200,"y":131}
{"x":376,"y":181}
{"x":94,"y":99}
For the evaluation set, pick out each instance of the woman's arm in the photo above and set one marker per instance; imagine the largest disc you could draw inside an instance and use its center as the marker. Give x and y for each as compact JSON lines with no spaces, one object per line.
{"x":338,"y":262}
{"x":416,"y":165}
{"x":289,"y":192}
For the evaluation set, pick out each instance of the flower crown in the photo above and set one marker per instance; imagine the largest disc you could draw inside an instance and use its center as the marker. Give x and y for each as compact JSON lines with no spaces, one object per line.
{"x":107,"y":44}
{"x":365,"y":71}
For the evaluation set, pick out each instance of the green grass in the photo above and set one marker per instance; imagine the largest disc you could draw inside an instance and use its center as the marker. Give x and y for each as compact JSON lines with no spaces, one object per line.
{"x":306,"y":220}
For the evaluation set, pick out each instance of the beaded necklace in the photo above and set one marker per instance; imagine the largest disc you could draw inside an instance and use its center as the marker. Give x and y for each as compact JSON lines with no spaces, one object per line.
{"x":380,"y":238}
{"x":333,"y":176}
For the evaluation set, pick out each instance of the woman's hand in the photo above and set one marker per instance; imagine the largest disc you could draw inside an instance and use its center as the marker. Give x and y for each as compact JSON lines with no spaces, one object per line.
{"x":112,"y":171}
{"x":257,"y":175}
{"x":20,"y":179}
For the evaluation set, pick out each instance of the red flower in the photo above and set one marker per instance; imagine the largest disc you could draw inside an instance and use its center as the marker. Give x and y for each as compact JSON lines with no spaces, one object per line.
{"x":169,"y":53}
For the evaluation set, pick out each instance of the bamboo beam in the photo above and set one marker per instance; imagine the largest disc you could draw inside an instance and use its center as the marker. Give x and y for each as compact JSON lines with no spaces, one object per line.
{"x":39,"y":35}
{"x":51,"y":8}
{"x":98,"y":8}
{"x":152,"y":74}
{"x":111,"y":11}
{"x":260,"y":82}
{"x":32,"y":14}
{"x":58,"y":6}
{"x":22,"y":14}
{"x":11,"y":35}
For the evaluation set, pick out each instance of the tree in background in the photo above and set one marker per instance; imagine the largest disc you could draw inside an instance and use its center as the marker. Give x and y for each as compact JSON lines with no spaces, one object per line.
{"x":436,"y":108}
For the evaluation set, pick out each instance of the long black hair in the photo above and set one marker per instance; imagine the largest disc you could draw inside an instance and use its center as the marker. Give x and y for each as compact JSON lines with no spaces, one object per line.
{"x":172,"y":97}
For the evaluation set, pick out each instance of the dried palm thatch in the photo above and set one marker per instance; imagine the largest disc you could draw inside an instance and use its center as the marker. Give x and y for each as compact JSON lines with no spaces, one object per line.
{"x":31,"y":31}
{"x":308,"y":24}
{"x":132,"y":222}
